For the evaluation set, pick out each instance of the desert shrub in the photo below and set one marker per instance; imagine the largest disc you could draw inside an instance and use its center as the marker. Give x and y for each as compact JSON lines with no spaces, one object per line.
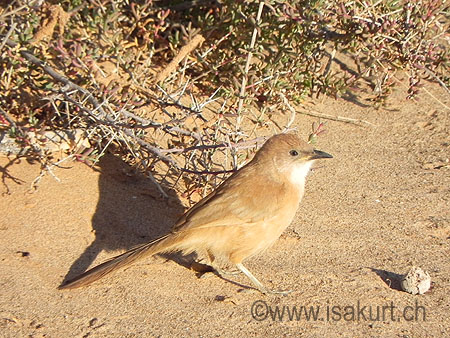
{"x":93,"y":67}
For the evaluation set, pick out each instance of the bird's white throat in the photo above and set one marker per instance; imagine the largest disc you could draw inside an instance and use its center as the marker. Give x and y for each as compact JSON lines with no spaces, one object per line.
{"x":299,"y":173}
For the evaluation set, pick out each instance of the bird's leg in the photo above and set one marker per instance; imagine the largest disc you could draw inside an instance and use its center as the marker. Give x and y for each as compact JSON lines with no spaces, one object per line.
{"x":216,"y":268}
{"x":258,"y":284}
{"x":221,"y":272}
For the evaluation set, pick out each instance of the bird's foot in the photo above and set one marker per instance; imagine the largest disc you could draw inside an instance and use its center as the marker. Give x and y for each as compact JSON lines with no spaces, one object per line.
{"x":219,"y":272}
{"x":222,"y":272}
{"x":267,"y":292}
{"x":276,"y":292}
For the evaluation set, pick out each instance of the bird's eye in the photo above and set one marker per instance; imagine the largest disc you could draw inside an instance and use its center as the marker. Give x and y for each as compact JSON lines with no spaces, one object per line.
{"x":293,"y":152}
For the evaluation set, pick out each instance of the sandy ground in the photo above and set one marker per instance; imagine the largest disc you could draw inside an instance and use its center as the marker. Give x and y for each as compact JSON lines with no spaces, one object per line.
{"x":379,"y":207}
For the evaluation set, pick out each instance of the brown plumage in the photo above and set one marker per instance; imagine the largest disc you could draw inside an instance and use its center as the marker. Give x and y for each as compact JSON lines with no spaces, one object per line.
{"x":242,"y":217}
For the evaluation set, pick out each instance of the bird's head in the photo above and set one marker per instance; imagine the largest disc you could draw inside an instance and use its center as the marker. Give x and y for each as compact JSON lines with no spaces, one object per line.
{"x":289,"y":157}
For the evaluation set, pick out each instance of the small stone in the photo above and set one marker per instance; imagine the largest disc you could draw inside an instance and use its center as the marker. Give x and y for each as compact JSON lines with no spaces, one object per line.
{"x":416,"y":281}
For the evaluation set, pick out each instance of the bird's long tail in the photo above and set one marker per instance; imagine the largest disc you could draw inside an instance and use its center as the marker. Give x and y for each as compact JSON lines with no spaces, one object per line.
{"x":162,"y":244}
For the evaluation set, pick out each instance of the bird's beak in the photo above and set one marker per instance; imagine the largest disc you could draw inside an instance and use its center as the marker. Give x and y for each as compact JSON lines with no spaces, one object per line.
{"x":319,"y":154}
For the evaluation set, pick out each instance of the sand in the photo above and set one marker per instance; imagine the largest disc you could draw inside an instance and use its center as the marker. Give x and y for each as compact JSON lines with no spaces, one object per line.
{"x":378,"y":208}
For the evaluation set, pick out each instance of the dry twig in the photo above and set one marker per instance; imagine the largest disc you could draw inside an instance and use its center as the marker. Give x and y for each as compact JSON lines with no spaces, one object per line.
{"x":184,"y":51}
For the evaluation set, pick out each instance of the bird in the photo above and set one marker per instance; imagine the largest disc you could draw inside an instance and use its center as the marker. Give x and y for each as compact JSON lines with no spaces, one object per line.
{"x":242,"y":217}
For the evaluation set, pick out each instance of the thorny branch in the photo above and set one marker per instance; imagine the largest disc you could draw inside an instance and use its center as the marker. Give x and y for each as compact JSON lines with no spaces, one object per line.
{"x":69,"y":85}
{"x":100,"y":116}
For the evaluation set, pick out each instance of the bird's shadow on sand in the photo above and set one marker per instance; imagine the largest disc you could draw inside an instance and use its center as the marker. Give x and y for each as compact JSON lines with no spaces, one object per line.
{"x":130,"y":211}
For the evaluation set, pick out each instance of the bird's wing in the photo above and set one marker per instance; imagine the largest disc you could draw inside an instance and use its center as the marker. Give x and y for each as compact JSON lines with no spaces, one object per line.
{"x":239,"y":200}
